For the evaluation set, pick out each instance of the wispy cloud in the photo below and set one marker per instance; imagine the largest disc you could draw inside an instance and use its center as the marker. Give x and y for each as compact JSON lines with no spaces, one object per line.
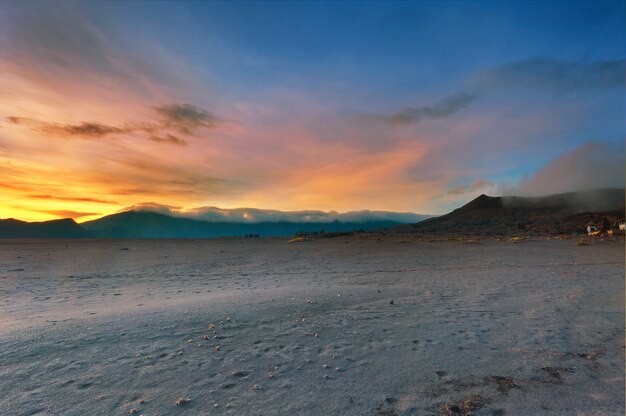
{"x":554,"y":75}
{"x":67,"y":213}
{"x":84,"y":129}
{"x":72,"y":199}
{"x":184,"y":118}
{"x":479,"y":185}
{"x":443,"y":109}
{"x":168,"y":138}
{"x":72,"y":48}
{"x":541,"y":74}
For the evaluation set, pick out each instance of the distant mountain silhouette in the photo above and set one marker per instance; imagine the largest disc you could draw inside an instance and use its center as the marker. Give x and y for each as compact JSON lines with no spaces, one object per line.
{"x":146,"y":224}
{"x":567,"y":213}
{"x":554,"y":214}
{"x":65,"y":228}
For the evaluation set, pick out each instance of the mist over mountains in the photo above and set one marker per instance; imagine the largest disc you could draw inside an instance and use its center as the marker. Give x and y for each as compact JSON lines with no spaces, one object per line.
{"x":158,"y":221}
{"x":257,"y":215}
{"x":148,"y":224}
{"x":567,"y":213}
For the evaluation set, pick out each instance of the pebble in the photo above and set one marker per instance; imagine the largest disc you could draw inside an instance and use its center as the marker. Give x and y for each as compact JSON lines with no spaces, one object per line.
{"x":182,"y":400}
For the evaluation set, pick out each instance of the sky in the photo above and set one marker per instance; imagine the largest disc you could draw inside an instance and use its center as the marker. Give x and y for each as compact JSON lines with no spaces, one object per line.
{"x":333,"y":106}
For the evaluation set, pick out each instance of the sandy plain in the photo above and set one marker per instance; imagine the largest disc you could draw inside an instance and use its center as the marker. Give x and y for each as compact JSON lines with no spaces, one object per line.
{"x":341,"y":326}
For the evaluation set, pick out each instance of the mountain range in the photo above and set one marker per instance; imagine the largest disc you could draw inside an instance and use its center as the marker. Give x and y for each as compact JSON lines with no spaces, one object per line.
{"x":143,"y":223}
{"x":567,"y":213}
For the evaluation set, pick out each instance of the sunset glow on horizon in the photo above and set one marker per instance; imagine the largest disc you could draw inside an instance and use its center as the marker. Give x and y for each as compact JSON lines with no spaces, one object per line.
{"x":304,"y":106}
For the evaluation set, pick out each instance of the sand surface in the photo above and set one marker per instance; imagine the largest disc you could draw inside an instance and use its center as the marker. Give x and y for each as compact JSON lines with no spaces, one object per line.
{"x":117,"y":327}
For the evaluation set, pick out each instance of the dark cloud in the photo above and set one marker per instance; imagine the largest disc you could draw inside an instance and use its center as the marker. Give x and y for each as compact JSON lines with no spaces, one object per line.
{"x":72,"y":199}
{"x":168,"y":138}
{"x":444,"y":108}
{"x":185,"y":118}
{"x":554,"y":75}
{"x":84,"y":129}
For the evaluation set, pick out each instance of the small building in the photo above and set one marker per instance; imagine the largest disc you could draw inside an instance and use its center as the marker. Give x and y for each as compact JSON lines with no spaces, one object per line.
{"x":592,"y":230}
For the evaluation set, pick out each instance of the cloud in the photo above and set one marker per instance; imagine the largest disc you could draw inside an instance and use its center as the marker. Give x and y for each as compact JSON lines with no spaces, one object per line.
{"x":591,"y":165}
{"x":85,"y":129}
{"x":168,"y":138}
{"x":68,"y":214}
{"x":72,"y":199}
{"x":542,"y":74}
{"x":480,"y":184}
{"x":65,"y":44}
{"x":458,"y":190}
{"x":18,"y":120}
{"x":444,"y":108}
{"x":255,"y":215}
{"x":553,"y":75}
{"x":185,"y":118}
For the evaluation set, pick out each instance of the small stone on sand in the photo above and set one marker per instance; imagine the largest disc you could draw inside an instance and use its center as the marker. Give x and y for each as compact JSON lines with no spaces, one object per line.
{"x":182,"y":400}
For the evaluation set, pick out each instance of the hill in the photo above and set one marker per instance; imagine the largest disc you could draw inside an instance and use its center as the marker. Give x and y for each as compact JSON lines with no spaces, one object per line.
{"x":146,"y":224}
{"x":567,"y":213}
{"x":64,"y":228}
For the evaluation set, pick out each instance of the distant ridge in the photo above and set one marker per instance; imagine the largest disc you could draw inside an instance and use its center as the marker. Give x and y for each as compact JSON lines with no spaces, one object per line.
{"x":149,"y":224}
{"x":145,"y":224}
{"x":64,"y":228}
{"x":567,"y":213}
